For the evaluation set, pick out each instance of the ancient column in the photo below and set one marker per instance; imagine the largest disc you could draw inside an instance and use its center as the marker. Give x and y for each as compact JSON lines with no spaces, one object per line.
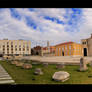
{"x":83,"y":64}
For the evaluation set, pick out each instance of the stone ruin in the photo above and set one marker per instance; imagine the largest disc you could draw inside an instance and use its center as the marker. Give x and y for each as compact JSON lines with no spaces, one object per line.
{"x":38,"y":71}
{"x":83,"y":65}
{"x":90,"y":63}
{"x":60,"y":65}
{"x":61,"y":76}
{"x":14,"y":62}
{"x":27,"y":66}
{"x":45,"y":64}
{"x":20,"y":64}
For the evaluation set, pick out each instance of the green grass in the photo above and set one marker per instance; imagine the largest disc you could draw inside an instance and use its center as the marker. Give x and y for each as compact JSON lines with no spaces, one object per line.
{"x":23,"y":76}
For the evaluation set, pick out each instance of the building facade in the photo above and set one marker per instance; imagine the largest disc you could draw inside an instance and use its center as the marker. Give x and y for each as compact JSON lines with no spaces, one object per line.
{"x":15,"y":47}
{"x":50,"y":51}
{"x":36,"y":50}
{"x":68,"y":49}
{"x":87,"y":46}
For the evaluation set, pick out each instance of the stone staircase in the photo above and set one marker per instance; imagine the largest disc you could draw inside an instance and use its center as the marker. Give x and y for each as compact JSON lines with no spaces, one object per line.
{"x":5,"y":78}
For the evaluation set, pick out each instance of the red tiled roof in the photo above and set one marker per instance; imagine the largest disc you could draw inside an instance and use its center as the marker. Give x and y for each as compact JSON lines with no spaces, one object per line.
{"x":64,"y":43}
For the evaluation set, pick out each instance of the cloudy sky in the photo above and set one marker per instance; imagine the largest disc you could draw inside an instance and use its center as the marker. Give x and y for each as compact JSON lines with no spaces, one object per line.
{"x":41,"y":24}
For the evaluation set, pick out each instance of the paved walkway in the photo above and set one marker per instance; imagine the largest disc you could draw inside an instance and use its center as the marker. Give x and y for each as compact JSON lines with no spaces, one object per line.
{"x":5,"y":78}
{"x":58,"y":59}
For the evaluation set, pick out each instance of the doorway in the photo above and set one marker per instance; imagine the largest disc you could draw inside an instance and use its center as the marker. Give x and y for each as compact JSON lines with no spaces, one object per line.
{"x":62,"y":53}
{"x":85,"y":51}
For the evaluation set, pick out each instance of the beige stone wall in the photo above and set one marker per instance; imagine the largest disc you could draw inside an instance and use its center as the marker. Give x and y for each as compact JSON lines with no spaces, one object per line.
{"x":17,"y":45}
{"x":90,"y":47}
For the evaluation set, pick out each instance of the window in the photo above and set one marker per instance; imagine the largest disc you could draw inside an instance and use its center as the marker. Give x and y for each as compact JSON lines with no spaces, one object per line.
{"x":69,"y":52}
{"x":19,"y":49}
{"x":23,"y":46}
{"x":12,"y":46}
{"x":3,"y":46}
{"x":27,"y":49}
{"x":19,"y":46}
{"x":11,"y":43}
{"x":15,"y":49}
{"x":69,"y":46}
{"x":23,"y":49}
{"x":56,"y":51}
{"x":7,"y":46}
{"x":62,"y":49}
{"x":7,"y":43}
{"x":15,"y":46}
{"x":65,"y":52}
{"x":65,"y":47}
{"x":83,"y":42}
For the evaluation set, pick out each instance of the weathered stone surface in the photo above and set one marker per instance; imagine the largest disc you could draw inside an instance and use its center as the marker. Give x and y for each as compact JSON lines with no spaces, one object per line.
{"x":90,"y":63}
{"x":5,"y":77}
{"x":35,"y":63}
{"x":7,"y":81}
{"x":83,"y":65}
{"x":45,"y":64}
{"x":38,"y":71}
{"x":61,"y":76}
{"x":27,"y":66}
{"x":60,"y":65}
{"x":20,"y":64}
{"x":14,"y":62}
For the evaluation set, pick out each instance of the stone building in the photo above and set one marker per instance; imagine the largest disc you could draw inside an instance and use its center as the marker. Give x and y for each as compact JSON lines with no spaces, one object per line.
{"x":48,"y":51}
{"x":36,"y":50}
{"x":87,"y":46}
{"x":68,"y":49}
{"x":15,"y":47}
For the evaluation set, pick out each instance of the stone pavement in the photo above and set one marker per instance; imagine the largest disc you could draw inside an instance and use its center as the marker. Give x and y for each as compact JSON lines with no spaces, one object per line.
{"x":5,"y":78}
{"x":58,"y":59}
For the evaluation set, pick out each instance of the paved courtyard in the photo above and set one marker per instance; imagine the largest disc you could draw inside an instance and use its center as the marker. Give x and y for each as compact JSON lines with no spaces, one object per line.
{"x":58,"y":59}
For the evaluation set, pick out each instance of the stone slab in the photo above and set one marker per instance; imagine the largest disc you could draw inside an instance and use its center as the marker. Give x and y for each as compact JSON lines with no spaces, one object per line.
{"x":5,"y":78}
{"x":7,"y":81}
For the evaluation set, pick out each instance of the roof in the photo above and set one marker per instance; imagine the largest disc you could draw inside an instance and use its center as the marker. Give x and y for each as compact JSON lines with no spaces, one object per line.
{"x":64,"y":43}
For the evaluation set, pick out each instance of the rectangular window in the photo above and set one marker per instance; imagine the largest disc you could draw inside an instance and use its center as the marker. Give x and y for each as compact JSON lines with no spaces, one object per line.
{"x":12,"y":46}
{"x":19,"y":46}
{"x":19,"y":49}
{"x":69,"y":46}
{"x":7,"y":46}
{"x":16,"y":49}
{"x":62,"y":49}
{"x":11,"y":43}
{"x":65,"y":47}
{"x":65,"y":52}
{"x":56,"y":51}
{"x":59,"y":51}
{"x":23,"y":49}
{"x":69,"y":52}
{"x":15,"y":46}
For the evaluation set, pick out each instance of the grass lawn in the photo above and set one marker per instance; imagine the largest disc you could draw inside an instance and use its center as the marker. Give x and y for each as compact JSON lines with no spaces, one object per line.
{"x":23,"y":76}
